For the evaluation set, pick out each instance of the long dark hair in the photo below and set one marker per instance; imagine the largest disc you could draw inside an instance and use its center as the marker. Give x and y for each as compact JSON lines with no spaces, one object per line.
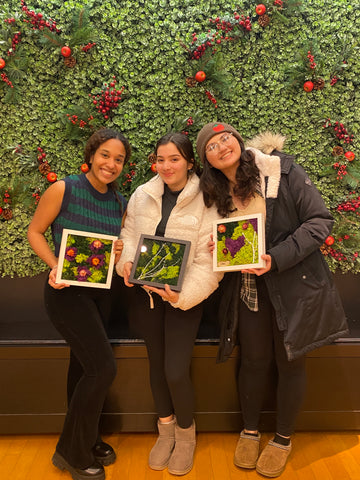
{"x":216,"y":188}
{"x":183,"y":144}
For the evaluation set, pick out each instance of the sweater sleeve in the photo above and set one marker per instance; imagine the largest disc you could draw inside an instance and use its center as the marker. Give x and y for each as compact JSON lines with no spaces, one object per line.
{"x":200,"y":280}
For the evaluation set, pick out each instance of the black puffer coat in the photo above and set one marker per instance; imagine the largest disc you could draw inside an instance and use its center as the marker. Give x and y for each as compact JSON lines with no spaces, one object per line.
{"x":307,"y":305}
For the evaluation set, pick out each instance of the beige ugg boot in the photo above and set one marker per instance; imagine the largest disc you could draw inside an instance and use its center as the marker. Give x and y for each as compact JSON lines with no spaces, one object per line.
{"x":272,"y":460}
{"x":162,"y":450}
{"x":247,"y":450}
{"x":181,"y":460}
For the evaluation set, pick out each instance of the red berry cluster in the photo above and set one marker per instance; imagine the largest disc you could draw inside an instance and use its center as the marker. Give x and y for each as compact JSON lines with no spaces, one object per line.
{"x":341,"y":170}
{"x":339,"y":256}
{"x":41,"y":155}
{"x":14,"y":42}
{"x":74,"y":119}
{"x":108,"y":99}
{"x":129,"y":176}
{"x":5,"y":79}
{"x":37,"y":21}
{"x":334,"y":80}
{"x":199,"y":50}
{"x":311,"y":60}
{"x":340,"y":131}
{"x":36,"y":195}
{"x":88,"y":47}
{"x":350,"y":205}
{"x":10,"y":20}
{"x":279,"y":3}
{"x":7,"y":198}
{"x":211,"y":98}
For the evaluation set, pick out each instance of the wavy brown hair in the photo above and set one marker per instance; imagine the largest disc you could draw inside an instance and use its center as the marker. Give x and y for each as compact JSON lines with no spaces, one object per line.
{"x":216,"y":188}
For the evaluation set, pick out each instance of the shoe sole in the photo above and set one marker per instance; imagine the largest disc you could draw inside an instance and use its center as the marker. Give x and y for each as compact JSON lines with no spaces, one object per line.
{"x":105,"y":462}
{"x":180,"y":472}
{"x":60,"y":462}
{"x":270,"y":475}
{"x":158,"y":467}
{"x":247,"y":465}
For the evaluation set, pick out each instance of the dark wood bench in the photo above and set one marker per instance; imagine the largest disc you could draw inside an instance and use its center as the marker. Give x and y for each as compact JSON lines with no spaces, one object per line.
{"x":34,"y":359}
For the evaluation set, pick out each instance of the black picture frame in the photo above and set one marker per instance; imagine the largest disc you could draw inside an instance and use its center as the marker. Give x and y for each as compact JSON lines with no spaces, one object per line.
{"x":159,"y":261}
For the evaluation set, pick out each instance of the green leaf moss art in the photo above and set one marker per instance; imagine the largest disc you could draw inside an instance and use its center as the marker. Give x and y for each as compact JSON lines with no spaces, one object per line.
{"x":159,"y":261}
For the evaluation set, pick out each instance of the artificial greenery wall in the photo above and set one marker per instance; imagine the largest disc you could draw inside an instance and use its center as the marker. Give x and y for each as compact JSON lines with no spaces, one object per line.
{"x":254,"y":80}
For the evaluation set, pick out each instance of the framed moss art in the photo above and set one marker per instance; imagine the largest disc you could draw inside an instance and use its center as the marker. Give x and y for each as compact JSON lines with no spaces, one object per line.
{"x":239,"y":243}
{"x":86,"y":259}
{"x":159,"y":261}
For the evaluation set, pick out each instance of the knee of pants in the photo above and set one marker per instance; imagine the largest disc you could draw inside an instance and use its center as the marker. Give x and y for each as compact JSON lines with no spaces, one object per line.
{"x":105,"y":373}
{"x":257,"y":363}
{"x":176,"y":377}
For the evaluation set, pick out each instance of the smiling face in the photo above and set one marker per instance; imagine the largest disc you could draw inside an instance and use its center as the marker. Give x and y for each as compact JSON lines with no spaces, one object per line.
{"x":106,"y":164}
{"x":172,"y":166}
{"x":223,"y":152}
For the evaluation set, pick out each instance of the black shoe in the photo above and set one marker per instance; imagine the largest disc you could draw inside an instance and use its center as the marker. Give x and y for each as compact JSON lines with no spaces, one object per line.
{"x":94,"y":472}
{"x":104,"y":453}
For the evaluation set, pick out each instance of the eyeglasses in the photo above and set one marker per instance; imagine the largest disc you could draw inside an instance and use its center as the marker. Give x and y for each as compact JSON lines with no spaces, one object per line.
{"x":214,"y":147}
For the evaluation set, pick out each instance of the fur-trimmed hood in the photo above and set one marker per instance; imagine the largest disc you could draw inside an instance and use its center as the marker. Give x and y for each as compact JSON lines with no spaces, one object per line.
{"x":267,"y":142}
{"x":269,"y":165}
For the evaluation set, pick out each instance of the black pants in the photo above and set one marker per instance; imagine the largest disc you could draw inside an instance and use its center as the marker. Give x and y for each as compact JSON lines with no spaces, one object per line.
{"x":79,"y":314}
{"x":169,"y":335}
{"x":260,"y":342}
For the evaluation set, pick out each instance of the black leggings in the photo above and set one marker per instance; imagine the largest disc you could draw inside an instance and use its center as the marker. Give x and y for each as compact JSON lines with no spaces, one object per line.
{"x":169,"y":335}
{"x":260,"y":341}
{"x":79,"y":314}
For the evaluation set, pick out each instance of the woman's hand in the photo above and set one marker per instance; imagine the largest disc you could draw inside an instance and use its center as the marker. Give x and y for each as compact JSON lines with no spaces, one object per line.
{"x":211,"y":244}
{"x":127,"y":271}
{"x":260,"y":271}
{"x":52,"y":280}
{"x":166,"y":294}
{"x":118,"y":248}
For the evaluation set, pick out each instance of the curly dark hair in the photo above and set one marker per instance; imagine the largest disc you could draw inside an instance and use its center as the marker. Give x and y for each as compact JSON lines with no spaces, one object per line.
{"x":101,"y":136}
{"x":183,"y":144}
{"x":216,"y":188}
{"x":96,"y":140}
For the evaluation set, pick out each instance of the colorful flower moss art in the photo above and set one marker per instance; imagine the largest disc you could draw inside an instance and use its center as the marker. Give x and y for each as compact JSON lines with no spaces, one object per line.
{"x":239,"y":243}
{"x":159,"y":261}
{"x":86,"y":259}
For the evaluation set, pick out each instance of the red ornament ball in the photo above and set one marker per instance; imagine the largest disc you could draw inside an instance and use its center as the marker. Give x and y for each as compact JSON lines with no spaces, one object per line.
{"x":200,"y":76}
{"x":308,"y":86}
{"x":260,"y":9}
{"x":330,"y":240}
{"x":2,"y":63}
{"x":153,"y":168}
{"x":84,"y":168}
{"x":66,"y":51}
{"x":350,"y":156}
{"x":51,"y":177}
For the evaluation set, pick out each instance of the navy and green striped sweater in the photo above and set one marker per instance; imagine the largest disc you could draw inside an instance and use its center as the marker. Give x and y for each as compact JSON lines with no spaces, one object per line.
{"x":84,"y":208}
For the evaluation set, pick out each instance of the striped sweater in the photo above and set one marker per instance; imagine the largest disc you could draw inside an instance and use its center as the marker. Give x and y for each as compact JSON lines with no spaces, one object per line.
{"x":86,"y":209}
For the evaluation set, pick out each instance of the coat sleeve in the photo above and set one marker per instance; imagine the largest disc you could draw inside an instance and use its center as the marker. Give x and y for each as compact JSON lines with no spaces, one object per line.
{"x":200,"y":280}
{"x":306,"y":210}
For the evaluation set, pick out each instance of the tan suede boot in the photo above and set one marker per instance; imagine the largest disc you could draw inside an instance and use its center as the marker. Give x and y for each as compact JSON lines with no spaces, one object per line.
{"x":181,"y":460}
{"x":161,"y":451}
{"x":272,"y":460}
{"x":247,"y":450}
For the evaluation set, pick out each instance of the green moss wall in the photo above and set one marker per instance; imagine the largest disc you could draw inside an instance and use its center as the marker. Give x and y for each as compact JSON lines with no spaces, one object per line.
{"x":140,"y":43}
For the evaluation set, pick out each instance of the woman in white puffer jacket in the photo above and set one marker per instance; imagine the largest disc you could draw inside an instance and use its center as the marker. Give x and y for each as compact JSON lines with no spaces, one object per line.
{"x":171,"y":205}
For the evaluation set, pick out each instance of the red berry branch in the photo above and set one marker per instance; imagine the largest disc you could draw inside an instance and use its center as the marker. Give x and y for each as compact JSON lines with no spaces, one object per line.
{"x":109,"y":98}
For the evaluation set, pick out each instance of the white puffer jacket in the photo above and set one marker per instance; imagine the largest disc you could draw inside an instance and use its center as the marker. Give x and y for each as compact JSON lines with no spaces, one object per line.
{"x":189,"y":220}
